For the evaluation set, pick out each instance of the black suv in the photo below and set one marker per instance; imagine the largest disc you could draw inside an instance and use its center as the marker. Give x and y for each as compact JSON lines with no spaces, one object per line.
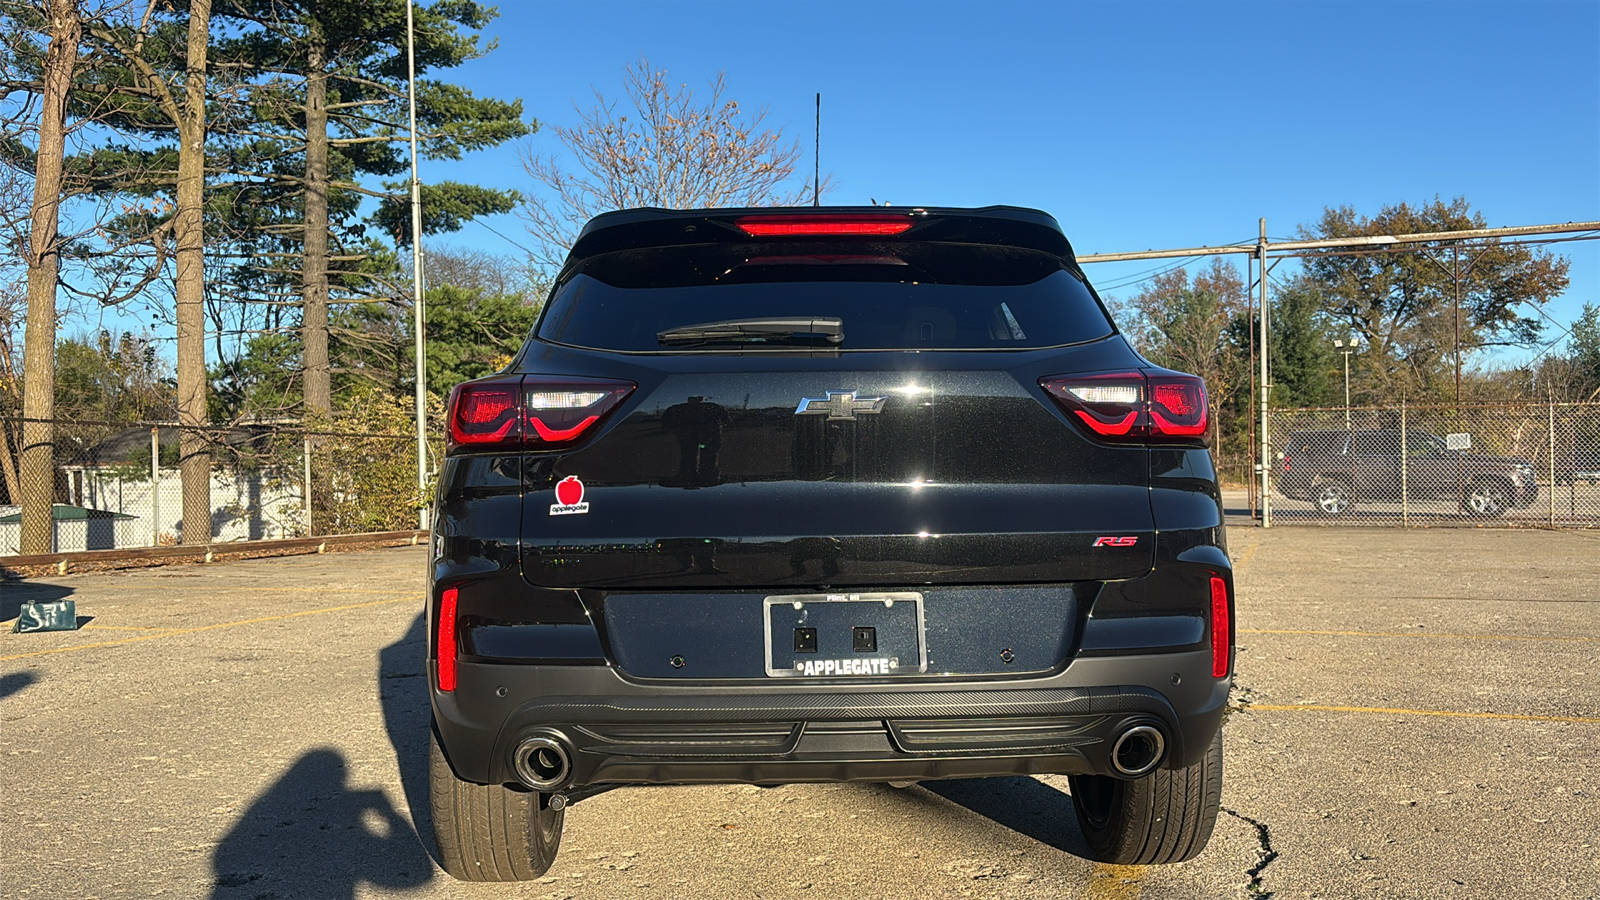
{"x":824,"y":495}
{"x":1336,"y":469}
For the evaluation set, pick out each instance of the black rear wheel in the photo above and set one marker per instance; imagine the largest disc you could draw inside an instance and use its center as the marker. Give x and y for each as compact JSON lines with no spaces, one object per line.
{"x":489,"y":832}
{"x":1164,"y":817}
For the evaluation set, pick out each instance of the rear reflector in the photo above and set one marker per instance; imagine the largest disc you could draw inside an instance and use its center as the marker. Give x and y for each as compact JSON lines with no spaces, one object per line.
{"x":1221,"y":627}
{"x":823,"y":225}
{"x":447,"y":640}
{"x":1135,"y":407}
{"x":534,"y":412}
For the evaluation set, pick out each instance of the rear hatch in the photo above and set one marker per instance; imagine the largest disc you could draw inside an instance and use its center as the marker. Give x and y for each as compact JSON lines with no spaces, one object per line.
{"x":828,"y":411}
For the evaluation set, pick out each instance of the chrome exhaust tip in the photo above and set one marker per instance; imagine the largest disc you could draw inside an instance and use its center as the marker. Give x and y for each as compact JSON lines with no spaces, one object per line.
{"x":542,"y":762}
{"x":1138,"y":750}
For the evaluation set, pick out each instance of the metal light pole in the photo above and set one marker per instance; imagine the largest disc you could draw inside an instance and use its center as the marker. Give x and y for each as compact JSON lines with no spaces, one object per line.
{"x":1355,"y":342}
{"x":1266,"y":383}
{"x":416,"y":276}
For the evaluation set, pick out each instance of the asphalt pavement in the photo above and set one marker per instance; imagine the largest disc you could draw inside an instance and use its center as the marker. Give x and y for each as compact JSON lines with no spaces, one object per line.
{"x":1417,"y":716}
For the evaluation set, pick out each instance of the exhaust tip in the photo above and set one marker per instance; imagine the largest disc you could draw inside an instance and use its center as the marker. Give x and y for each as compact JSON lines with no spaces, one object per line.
{"x":541,"y":761}
{"x":1138,"y":750}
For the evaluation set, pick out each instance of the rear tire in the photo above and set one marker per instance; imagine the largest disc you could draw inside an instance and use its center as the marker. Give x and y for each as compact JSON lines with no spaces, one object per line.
{"x":489,"y":832}
{"x":1332,"y":497}
{"x":1486,"y":499}
{"x":1164,"y":817}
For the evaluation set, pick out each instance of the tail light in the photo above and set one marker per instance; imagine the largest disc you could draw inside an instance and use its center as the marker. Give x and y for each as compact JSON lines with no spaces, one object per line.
{"x":446,"y":643}
{"x":836,"y":225}
{"x":1135,"y":407}
{"x":1286,"y":464}
{"x":1221,"y":627}
{"x":533,"y":412}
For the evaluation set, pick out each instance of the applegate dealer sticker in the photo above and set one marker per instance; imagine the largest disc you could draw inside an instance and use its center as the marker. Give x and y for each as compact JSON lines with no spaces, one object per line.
{"x":569,"y":497}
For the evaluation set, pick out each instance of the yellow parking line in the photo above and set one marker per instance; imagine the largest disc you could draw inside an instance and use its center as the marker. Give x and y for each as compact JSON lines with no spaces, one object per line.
{"x":256,"y":590}
{"x":412,"y":598}
{"x":1421,"y":634}
{"x":1108,"y":882}
{"x":1585,"y":720}
{"x":1244,"y":558}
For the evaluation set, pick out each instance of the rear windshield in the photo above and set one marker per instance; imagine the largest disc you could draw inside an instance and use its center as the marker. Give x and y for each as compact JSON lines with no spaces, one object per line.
{"x":887,"y":296}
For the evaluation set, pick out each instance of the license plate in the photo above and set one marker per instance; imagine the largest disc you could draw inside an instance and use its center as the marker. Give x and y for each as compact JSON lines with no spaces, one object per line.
{"x":845,"y":635}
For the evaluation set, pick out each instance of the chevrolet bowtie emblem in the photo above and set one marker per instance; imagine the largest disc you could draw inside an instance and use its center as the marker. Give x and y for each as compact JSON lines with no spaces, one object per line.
{"x":840,"y":405}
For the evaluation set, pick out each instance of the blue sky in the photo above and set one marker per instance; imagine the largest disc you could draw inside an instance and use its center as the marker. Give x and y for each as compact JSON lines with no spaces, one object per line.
{"x":1137,"y":125}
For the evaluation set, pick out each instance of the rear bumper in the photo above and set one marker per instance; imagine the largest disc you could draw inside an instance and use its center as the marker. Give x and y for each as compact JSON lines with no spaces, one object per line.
{"x":624,"y":731}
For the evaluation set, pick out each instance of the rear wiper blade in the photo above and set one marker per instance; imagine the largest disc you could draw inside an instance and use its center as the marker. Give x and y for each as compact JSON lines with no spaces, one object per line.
{"x":781,"y":329}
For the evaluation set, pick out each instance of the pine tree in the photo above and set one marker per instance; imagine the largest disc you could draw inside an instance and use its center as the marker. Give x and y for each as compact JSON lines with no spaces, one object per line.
{"x":324,"y":88}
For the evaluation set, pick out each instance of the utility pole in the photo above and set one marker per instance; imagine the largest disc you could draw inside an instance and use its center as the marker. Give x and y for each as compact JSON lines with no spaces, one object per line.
{"x":1455,"y":277}
{"x":416,"y":281}
{"x":1266,"y":387}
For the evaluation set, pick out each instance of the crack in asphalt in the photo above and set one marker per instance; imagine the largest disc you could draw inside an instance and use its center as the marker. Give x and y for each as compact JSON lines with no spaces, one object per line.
{"x":1265,"y":854}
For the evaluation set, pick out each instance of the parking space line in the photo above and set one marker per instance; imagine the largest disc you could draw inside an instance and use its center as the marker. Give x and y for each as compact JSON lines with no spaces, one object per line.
{"x":256,"y":590}
{"x":1244,"y":557}
{"x":1421,"y":634}
{"x":409,"y":598}
{"x":1445,"y":713}
{"x":1108,"y":882}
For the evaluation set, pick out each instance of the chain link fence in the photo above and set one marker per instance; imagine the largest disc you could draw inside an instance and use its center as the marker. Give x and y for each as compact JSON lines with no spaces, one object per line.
{"x":120,"y":486}
{"x":1504,"y":465}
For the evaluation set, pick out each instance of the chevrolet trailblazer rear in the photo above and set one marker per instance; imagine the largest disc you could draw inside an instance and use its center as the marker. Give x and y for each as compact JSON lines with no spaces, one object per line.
{"x":826,"y":494}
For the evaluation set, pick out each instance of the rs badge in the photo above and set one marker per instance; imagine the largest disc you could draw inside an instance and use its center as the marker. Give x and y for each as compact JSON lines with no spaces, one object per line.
{"x":569,"y":497}
{"x":1128,"y":541}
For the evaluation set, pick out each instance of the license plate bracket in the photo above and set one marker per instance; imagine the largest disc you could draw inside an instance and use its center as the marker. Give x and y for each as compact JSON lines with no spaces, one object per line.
{"x":895,"y":618}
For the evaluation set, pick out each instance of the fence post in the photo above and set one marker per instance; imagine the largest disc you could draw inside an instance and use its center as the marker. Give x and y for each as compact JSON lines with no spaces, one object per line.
{"x":1405,"y":469}
{"x":1552,"y":460}
{"x":155,"y":485}
{"x":307,"y":458}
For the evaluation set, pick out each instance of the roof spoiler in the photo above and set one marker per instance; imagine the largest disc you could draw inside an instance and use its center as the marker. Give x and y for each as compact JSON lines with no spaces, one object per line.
{"x":1006,"y":226}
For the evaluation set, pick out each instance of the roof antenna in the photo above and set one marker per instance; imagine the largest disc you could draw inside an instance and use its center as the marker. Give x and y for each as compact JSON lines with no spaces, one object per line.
{"x":816,"y":158}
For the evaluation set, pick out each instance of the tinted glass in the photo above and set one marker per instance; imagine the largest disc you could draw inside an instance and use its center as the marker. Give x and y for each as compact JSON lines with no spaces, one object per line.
{"x":888,"y":296}
{"x":1374,"y":443}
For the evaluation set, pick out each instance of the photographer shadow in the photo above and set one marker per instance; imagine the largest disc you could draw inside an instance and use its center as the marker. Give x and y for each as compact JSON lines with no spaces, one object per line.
{"x":311,"y":835}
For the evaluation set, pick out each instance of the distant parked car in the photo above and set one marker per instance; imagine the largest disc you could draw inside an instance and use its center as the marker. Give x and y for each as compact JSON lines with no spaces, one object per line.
{"x":1584,"y":465}
{"x":1334,"y":470}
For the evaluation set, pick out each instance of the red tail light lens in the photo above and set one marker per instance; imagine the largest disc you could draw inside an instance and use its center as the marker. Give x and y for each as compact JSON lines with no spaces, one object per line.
{"x":486,"y":412}
{"x":1221,"y":627}
{"x":447,"y":649}
{"x":858,"y":224}
{"x":1132,"y":407}
{"x":1177,"y":405}
{"x":534,"y":412}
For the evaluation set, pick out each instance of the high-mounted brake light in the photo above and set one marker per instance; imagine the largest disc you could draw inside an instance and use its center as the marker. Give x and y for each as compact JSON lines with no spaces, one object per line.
{"x":1221,"y":627}
{"x":1135,"y":407}
{"x":858,"y":224}
{"x":536,"y":412}
{"x":447,"y":648}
